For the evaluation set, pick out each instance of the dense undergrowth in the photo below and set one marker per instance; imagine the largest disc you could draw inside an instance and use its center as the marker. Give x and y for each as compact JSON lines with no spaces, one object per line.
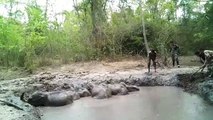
{"x":93,"y":31}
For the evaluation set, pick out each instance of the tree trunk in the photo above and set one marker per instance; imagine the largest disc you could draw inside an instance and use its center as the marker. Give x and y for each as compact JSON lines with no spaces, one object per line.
{"x":144,"y":30}
{"x":46,"y":9}
{"x":98,"y":18}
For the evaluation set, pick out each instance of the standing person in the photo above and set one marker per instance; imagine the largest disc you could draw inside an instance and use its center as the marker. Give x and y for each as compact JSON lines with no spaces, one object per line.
{"x":152,"y":57}
{"x":175,"y":51}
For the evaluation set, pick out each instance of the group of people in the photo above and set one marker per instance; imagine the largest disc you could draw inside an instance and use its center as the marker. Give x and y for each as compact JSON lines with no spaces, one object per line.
{"x":206,"y":56}
{"x":175,"y":51}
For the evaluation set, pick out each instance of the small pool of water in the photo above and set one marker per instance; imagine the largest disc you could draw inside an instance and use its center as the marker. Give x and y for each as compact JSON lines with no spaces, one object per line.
{"x":150,"y":103}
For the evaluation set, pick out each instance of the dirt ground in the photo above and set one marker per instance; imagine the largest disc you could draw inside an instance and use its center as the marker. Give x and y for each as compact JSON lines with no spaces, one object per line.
{"x":138,"y":63}
{"x":93,"y":67}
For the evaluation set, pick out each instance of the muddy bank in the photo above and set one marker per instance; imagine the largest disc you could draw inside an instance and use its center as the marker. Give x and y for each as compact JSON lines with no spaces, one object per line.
{"x":198,"y":84}
{"x":205,"y":89}
{"x":12,"y":108}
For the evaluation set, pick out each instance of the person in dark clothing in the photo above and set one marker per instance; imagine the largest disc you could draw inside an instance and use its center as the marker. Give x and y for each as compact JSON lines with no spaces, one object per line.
{"x":152,"y":57}
{"x":175,"y":51}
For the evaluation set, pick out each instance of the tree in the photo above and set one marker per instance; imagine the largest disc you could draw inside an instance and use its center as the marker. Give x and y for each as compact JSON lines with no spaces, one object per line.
{"x":144,"y":29}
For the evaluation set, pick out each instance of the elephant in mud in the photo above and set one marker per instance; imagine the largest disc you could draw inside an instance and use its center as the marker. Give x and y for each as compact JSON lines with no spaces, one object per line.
{"x":84,"y":93}
{"x":131,"y":88}
{"x":99,"y":91}
{"x":118,"y":89}
{"x":56,"y":98}
{"x":107,"y":90}
{"x":122,"y":88}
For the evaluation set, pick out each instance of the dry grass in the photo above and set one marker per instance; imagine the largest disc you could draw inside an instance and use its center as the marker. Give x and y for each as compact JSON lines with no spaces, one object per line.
{"x":190,"y":61}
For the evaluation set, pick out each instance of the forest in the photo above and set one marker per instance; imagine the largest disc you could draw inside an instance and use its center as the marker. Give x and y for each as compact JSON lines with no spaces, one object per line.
{"x":95,"y":30}
{"x":53,"y":53}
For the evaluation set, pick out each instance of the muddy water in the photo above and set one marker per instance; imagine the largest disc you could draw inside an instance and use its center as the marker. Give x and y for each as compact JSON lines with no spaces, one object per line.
{"x":151,"y":103}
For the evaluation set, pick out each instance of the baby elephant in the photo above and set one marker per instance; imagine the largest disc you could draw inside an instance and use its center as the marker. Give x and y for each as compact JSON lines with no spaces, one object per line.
{"x":118,"y":89}
{"x":100,"y":91}
{"x":56,"y":98}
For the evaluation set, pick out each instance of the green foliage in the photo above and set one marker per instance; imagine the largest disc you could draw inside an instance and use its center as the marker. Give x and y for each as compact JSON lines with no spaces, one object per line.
{"x":93,"y":31}
{"x":10,"y":41}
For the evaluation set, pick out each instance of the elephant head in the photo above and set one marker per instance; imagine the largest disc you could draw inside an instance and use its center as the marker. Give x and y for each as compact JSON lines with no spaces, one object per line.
{"x":36,"y":99}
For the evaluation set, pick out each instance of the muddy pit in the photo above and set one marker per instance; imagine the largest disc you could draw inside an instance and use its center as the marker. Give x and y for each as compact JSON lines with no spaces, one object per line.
{"x":150,"y":103}
{"x":76,"y":78}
